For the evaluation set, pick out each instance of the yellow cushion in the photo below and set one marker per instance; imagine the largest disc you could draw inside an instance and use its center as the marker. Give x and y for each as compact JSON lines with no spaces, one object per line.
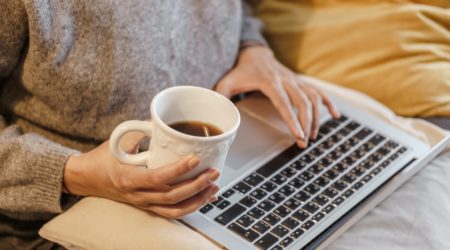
{"x":395,"y":51}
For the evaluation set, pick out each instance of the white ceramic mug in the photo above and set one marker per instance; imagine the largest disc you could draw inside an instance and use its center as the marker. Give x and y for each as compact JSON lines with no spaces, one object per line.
{"x":182,"y":103}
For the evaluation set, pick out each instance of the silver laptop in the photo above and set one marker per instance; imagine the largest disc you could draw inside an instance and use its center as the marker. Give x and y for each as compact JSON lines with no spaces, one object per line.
{"x":275,"y":195}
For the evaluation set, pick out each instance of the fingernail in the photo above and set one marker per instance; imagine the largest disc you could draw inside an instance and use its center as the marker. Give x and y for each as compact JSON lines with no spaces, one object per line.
{"x":302,"y":143}
{"x":193,"y":161}
{"x":213,"y":199}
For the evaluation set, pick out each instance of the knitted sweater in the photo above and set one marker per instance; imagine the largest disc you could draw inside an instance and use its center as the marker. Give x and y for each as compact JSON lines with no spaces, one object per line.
{"x":70,"y":71}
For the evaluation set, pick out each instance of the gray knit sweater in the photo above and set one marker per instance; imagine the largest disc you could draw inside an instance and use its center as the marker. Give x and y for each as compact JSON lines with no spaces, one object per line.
{"x":72,"y":70}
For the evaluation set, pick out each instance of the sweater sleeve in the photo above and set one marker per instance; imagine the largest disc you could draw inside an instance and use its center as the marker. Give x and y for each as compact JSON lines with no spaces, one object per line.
{"x":31,"y":166}
{"x":251,"y":31}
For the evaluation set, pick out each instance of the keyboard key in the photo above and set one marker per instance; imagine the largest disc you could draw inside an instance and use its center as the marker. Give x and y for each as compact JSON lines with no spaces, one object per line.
{"x":402,"y":150}
{"x":296,"y":183}
{"x":299,"y":165}
{"x":312,"y":188}
{"x":258,"y":194}
{"x":367,"y":164}
{"x":348,"y":193}
{"x":376,"y":171}
{"x":310,"y":207}
{"x":367,"y":178}
{"x":363,"y":133}
{"x":307,"y":225}
{"x":338,"y":201}
{"x":316,"y":168}
{"x":290,"y":223}
{"x":353,"y":125}
{"x":317,"y":152}
{"x":268,"y":186}
{"x":277,"y":247}
{"x":321,"y":199}
{"x":317,"y":217}
{"x":219,"y":200}
{"x":307,"y":158}
{"x":306,"y":176}
{"x":242,"y":187}
{"x":231,"y":213}
{"x":330,"y":192}
{"x":339,"y":185}
{"x":261,"y":227}
{"x":253,"y":179}
{"x":357,"y":185}
{"x":256,"y":213}
{"x":288,"y":172}
{"x":266,"y":205}
{"x":300,"y":215}
{"x":349,"y":178}
{"x":282,"y":211}
{"x":349,"y":160}
{"x":279,"y":179}
{"x":205,"y":209}
{"x":248,"y":201}
{"x":302,"y":196}
{"x":224,"y":204}
{"x":324,"y":162}
{"x":297,"y":233}
{"x":277,"y":198}
{"x":266,"y":241}
{"x":245,"y":220}
{"x":321,"y":181}
{"x":328,"y":209}
{"x":286,"y":241}
{"x":280,"y":231}
{"x":247,"y":234}
{"x":332,"y":123}
{"x":376,"y":139}
{"x":271,"y":219}
{"x":358,"y":171}
{"x":286,"y":190}
{"x":340,"y":168}
{"x":292,"y":204}
{"x":228,"y":193}
{"x":334,"y":155}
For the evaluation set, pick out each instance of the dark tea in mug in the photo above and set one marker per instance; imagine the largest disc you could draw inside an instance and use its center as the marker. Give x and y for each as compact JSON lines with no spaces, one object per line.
{"x":196,"y":128}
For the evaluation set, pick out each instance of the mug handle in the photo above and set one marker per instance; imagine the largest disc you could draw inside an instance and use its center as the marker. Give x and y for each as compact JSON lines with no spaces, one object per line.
{"x":123,"y":128}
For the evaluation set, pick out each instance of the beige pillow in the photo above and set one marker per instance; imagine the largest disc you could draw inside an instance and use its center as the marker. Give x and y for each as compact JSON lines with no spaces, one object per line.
{"x":95,"y":223}
{"x":395,"y":51}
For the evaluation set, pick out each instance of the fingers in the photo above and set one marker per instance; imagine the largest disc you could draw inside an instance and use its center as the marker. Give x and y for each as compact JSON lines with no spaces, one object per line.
{"x":180,"y":191}
{"x":328,"y":103}
{"x":316,"y":101}
{"x":185,"y":207}
{"x":159,"y":178}
{"x":282,"y":103}
{"x":303,"y":106}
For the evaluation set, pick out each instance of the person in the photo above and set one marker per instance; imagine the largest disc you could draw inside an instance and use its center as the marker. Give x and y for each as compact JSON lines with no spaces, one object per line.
{"x":72,"y":71}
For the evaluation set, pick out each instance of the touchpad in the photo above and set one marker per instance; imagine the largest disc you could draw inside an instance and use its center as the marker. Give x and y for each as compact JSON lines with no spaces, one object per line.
{"x":253,"y":139}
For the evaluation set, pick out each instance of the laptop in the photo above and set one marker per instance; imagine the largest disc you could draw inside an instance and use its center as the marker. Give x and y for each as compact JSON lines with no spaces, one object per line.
{"x":275,"y":195}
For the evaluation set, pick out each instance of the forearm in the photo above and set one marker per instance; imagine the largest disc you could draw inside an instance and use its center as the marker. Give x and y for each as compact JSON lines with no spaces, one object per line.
{"x":31,"y":172}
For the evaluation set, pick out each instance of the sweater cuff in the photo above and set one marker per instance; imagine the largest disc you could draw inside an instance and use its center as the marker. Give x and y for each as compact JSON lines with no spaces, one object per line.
{"x":50,"y":171}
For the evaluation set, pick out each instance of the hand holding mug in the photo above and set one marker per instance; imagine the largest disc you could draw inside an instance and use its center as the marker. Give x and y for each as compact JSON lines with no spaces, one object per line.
{"x":98,"y":173}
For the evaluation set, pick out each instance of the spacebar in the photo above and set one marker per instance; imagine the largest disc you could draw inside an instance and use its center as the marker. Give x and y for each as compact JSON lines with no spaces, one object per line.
{"x":279,"y":161}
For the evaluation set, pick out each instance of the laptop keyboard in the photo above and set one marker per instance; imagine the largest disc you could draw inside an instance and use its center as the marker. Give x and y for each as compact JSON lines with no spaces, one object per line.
{"x":296,"y":190}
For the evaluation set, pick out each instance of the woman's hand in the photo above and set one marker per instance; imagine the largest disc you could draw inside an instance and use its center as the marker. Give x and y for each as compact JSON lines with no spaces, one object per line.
{"x":297,"y":101}
{"x":99,"y":173}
